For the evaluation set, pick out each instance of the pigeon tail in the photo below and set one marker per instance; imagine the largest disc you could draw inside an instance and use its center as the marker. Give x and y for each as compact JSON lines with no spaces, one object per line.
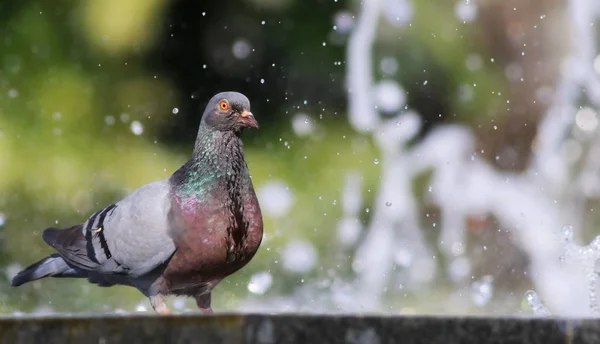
{"x":51,"y":266}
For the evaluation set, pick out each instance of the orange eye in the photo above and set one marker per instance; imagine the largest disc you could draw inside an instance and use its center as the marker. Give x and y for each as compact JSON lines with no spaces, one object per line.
{"x":224,"y":105}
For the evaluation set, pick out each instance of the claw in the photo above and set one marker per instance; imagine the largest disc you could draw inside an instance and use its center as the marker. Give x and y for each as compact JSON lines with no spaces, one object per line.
{"x":206,"y":310}
{"x":159,"y":305}
{"x":163,"y":311}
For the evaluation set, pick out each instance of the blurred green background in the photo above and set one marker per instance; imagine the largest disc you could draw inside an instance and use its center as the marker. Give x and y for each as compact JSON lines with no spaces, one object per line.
{"x":100,"y":97}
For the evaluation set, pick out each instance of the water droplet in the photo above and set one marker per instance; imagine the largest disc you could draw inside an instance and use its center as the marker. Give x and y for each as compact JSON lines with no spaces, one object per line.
{"x":389,"y":96}
{"x":459,"y":269}
{"x":241,"y":49}
{"x":376,"y":162}
{"x":302,"y":125}
{"x":388,"y":204}
{"x":275,"y":197}
{"x":389,"y":65}
{"x":482,"y":290}
{"x":109,"y":120}
{"x":140,"y":307}
{"x":262,"y":81}
{"x":137,"y":128}
{"x":179,"y":303}
{"x":344,"y":21}
{"x":299,"y":256}
{"x":260,"y":282}
{"x":175,"y":111}
{"x":465,"y":11}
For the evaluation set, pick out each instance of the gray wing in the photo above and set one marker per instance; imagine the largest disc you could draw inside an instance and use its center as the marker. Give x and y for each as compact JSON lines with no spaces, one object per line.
{"x":129,"y":237}
{"x":137,"y":231}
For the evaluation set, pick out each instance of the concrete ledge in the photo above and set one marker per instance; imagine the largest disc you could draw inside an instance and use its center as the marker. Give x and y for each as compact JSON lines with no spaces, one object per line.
{"x":288,"y":329}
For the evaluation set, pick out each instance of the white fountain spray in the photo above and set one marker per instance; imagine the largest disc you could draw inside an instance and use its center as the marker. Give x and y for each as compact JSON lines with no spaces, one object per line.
{"x":547,"y":195}
{"x":533,"y":203}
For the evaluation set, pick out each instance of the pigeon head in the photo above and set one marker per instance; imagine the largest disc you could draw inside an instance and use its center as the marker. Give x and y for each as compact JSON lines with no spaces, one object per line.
{"x":228,"y":111}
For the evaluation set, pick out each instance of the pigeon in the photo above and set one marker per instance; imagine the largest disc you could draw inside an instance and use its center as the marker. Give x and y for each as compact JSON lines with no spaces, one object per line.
{"x":180,"y":236}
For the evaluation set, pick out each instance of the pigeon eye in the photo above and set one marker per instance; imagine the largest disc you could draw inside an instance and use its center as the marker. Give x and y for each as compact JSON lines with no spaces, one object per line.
{"x":224,"y":105}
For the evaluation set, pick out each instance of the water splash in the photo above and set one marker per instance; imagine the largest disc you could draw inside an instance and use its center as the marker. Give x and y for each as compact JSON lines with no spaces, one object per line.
{"x":536,"y":304}
{"x":586,"y":259}
{"x":385,"y":239}
{"x":462,"y":185}
{"x":525,"y":202}
{"x":350,"y":227}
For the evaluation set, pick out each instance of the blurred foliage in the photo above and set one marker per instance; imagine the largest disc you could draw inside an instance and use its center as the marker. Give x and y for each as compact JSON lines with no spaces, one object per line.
{"x":76,"y":77}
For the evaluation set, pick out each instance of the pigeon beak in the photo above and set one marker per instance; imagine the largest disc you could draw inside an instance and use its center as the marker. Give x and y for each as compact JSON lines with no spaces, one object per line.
{"x":247,"y":118}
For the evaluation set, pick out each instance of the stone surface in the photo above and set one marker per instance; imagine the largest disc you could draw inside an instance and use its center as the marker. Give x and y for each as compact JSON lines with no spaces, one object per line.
{"x":284,"y":329}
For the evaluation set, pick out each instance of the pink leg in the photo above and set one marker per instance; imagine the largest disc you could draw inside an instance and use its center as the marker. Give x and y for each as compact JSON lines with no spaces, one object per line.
{"x":203,"y":303}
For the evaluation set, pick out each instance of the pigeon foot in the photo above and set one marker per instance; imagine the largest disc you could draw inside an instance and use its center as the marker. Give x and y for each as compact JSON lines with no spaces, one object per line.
{"x":206,"y":310}
{"x":203,"y":303}
{"x":159,"y":304}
